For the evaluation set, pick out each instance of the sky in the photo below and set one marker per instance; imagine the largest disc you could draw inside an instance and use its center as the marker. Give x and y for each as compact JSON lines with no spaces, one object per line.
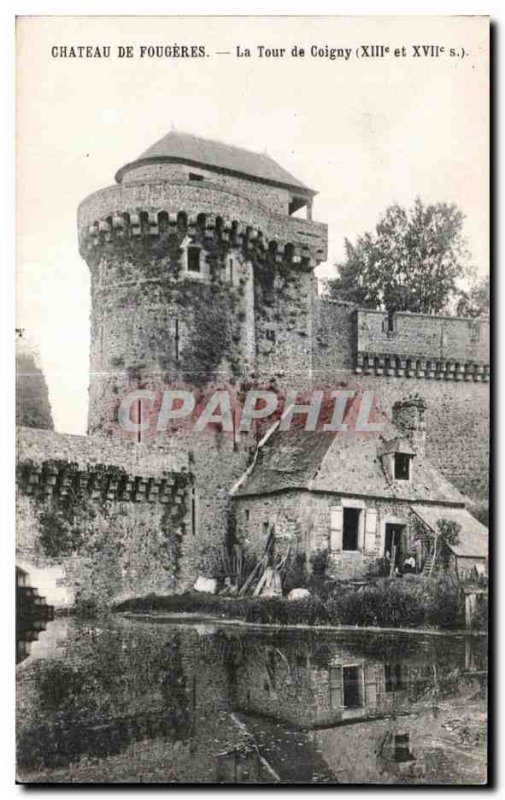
{"x":364,"y":132}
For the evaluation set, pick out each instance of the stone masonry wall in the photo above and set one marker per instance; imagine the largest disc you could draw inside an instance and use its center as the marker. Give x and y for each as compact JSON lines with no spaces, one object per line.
{"x":273,"y":197}
{"x":284,"y":313}
{"x":99,"y":521}
{"x":334,"y":340}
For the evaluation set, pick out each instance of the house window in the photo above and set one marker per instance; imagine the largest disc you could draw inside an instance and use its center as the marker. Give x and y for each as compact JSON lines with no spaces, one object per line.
{"x":194,"y":176}
{"x":353,"y":695}
{"x":351,"y":528}
{"x":402,"y":467}
{"x":193,"y":259}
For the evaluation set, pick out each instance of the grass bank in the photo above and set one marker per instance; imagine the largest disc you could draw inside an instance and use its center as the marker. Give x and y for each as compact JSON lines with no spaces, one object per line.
{"x":392,"y":603}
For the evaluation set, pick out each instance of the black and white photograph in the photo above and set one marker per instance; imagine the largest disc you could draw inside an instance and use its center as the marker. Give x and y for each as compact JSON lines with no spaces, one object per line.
{"x":252,"y":353}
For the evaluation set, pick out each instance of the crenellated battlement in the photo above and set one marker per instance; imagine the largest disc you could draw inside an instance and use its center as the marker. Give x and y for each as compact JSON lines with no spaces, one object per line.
{"x":147,"y":210}
{"x":422,"y":346}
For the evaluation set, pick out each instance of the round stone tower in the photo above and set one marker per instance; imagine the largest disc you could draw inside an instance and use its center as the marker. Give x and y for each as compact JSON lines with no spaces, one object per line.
{"x":200,"y":278}
{"x":199,"y":272}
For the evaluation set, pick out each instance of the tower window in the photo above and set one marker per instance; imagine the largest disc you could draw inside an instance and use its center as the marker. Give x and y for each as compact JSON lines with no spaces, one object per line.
{"x":402,"y":467}
{"x":193,"y":259}
{"x":270,"y":335}
{"x":194,"y":176}
{"x":230,"y":265}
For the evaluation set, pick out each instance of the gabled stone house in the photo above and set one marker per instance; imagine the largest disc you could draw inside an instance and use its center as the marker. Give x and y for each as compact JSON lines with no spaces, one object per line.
{"x":358,"y":497}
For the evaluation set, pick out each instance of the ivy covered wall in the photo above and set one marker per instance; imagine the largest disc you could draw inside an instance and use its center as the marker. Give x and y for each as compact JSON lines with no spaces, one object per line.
{"x":94,"y":533}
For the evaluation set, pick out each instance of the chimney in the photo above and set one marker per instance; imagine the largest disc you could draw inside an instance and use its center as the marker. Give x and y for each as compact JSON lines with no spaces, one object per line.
{"x":408,"y":416}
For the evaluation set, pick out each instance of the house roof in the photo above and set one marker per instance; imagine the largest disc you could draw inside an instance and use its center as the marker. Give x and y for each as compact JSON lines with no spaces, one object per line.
{"x":472,"y":537}
{"x":348,"y":463}
{"x":184,"y":147}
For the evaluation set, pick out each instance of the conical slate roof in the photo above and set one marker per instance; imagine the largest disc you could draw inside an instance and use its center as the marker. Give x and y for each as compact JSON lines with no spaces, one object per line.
{"x":186,"y":148}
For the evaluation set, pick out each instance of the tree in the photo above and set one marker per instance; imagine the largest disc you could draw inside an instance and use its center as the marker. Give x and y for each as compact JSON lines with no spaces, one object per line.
{"x":411,"y":262}
{"x":32,"y":398}
{"x":475,"y":302}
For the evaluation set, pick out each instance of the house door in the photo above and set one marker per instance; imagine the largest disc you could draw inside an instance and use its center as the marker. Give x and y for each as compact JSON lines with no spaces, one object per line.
{"x":395,"y":544}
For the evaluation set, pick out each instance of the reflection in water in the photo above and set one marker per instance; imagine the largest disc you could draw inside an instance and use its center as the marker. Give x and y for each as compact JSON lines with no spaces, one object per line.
{"x":132,"y":701}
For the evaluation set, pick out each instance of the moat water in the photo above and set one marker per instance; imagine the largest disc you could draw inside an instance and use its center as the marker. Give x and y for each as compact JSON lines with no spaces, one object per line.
{"x":121,"y":700}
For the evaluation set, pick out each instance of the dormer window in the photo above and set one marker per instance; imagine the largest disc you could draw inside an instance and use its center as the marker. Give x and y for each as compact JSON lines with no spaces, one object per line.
{"x":402,"y":466}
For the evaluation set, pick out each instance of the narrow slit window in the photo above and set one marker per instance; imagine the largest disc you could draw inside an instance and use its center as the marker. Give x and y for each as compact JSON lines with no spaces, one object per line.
{"x":193,"y":259}
{"x":176,"y":338}
{"x":139,"y":421}
{"x":230,"y":264}
{"x":193,"y":511}
{"x":194,"y":176}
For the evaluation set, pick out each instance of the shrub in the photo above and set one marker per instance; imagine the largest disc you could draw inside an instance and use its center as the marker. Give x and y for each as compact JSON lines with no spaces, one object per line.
{"x":389,"y":602}
{"x":87,"y":607}
{"x":481,"y":617}
{"x":319,"y":562}
{"x":296,"y":573}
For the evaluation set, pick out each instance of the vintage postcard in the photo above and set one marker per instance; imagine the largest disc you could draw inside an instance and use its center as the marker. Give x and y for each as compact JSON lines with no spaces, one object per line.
{"x":253,"y":376}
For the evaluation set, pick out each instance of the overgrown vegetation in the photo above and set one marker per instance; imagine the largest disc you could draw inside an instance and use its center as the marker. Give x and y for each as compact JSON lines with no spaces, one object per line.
{"x":209,"y":311}
{"x":397,"y":603}
{"x":67,"y":523}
